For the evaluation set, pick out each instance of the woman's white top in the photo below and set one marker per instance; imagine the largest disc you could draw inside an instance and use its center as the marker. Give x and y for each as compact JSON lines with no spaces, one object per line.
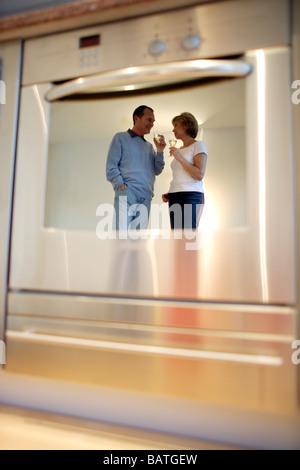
{"x":182,"y":180}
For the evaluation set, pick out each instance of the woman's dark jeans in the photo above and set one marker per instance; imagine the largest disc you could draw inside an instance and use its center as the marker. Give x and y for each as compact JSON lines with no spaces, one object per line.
{"x":185,"y":209}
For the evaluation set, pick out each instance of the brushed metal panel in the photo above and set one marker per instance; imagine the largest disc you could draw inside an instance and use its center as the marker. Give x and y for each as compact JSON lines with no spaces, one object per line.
{"x":256,"y":23}
{"x":232,"y":355}
{"x":131,"y":314}
{"x":241,"y":385}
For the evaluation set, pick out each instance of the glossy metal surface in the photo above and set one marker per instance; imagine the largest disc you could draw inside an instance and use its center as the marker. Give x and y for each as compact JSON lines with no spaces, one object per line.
{"x":256,"y":24}
{"x":122,"y":312}
{"x":158,"y":347}
{"x":200,"y":378}
{"x":210,"y":323}
{"x":240,"y":264}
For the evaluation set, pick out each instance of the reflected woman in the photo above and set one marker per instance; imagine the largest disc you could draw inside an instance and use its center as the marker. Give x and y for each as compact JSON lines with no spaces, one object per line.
{"x":186,"y":193}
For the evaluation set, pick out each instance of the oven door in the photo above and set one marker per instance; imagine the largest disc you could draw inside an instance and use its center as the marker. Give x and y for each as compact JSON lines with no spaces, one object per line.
{"x":244,"y":250}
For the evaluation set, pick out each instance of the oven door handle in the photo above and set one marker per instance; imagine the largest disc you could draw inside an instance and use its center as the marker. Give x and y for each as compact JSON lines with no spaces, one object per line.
{"x":150,"y":76}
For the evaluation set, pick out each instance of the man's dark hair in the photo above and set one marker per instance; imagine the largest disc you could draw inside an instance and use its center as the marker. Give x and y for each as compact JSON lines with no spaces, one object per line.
{"x":139,"y":112}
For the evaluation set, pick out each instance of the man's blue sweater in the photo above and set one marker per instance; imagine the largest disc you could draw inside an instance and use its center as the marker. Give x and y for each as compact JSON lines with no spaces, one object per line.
{"x":133,"y":161}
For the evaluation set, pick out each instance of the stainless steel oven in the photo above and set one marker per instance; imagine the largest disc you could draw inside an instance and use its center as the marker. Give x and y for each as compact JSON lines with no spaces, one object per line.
{"x":213,"y":322}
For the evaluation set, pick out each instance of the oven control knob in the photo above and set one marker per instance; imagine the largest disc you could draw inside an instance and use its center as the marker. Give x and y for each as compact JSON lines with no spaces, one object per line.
{"x":190,"y":42}
{"x":157,"y":47}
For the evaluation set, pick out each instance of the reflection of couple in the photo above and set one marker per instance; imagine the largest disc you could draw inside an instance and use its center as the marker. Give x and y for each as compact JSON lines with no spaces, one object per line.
{"x":132,"y":165}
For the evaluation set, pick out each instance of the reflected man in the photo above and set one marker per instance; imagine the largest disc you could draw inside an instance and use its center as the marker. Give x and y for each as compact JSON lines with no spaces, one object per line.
{"x":131,"y":167}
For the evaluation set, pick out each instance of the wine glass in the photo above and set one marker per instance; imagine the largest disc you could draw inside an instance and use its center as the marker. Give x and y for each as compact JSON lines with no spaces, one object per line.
{"x":173,"y":142}
{"x":157,"y":137}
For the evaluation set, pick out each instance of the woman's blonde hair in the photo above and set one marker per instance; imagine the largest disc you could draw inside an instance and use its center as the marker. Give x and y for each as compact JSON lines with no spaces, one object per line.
{"x":189,"y":122}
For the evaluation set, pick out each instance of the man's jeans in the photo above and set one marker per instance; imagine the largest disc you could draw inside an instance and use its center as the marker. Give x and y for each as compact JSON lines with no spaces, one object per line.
{"x":131,"y":211}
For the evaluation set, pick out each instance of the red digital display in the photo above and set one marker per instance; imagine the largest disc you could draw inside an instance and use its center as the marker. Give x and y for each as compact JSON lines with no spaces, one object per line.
{"x":89,"y":41}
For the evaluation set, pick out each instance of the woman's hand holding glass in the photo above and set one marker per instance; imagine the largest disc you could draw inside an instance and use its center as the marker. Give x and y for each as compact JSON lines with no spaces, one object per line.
{"x":175,"y":152}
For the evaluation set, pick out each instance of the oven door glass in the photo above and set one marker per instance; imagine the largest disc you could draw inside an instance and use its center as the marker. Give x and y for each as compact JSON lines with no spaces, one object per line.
{"x":242,"y":254}
{"x":81,"y":131}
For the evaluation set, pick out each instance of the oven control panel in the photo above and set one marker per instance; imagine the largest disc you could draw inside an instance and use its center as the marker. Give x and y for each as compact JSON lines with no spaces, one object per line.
{"x":205,"y":31}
